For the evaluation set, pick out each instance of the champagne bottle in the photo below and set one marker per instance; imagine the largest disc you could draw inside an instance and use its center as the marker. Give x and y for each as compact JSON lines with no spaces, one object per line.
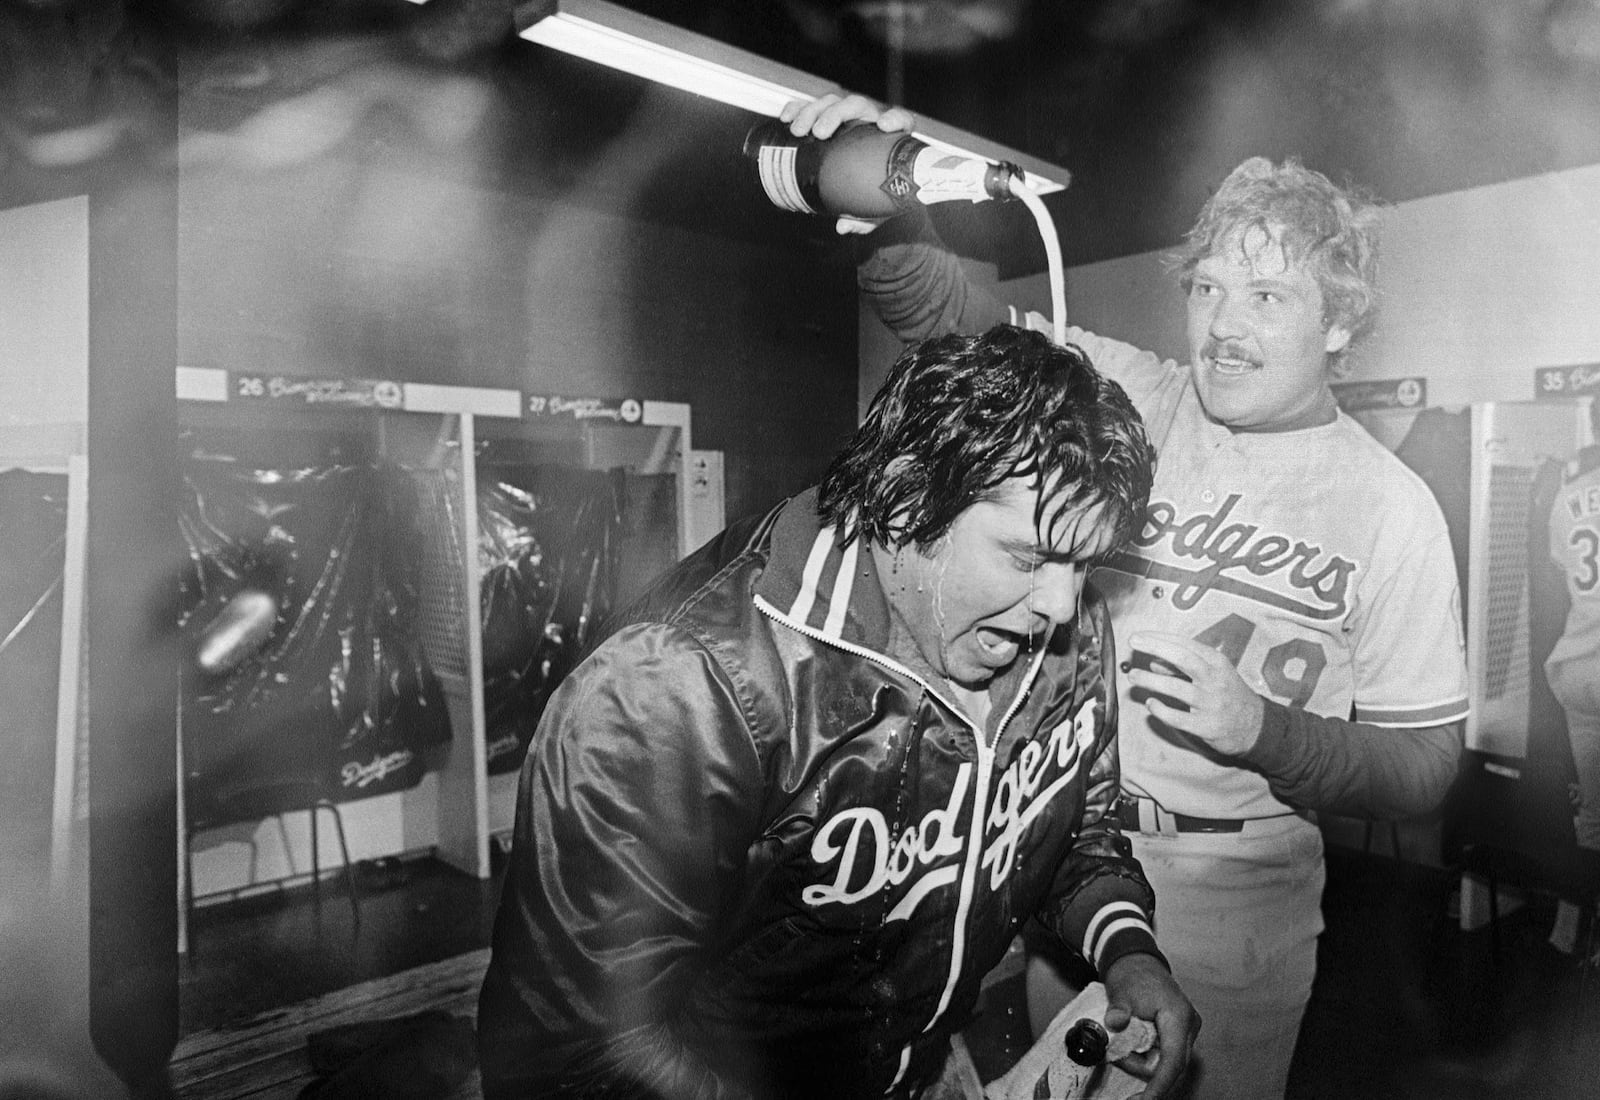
{"x":863,"y":172}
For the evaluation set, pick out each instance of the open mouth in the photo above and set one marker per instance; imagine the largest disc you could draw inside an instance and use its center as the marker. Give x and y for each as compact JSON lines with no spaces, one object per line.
{"x":1232,"y":365}
{"x":999,"y":646}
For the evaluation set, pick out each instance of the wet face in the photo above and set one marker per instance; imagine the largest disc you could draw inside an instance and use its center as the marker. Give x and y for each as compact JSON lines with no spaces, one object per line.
{"x":993,"y":587}
{"x":1258,"y":344}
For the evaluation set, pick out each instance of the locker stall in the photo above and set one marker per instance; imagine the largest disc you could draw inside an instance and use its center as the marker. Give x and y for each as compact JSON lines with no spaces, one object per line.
{"x":502,"y":488}
{"x":1482,"y":462}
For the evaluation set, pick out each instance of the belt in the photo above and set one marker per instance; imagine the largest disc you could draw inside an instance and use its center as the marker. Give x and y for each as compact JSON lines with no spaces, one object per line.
{"x":1144,"y":815}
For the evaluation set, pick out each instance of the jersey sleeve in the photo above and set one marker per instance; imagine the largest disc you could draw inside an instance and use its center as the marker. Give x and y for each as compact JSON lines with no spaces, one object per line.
{"x":1357,"y":769}
{"x":1410,"y":657}
{"x":918,"y":287}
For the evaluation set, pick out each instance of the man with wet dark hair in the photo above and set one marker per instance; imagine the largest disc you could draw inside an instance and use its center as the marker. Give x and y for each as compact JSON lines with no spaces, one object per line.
{"x":772,"y":834}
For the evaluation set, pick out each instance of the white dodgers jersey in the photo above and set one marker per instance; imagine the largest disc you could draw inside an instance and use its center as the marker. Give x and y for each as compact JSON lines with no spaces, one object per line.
{"x":1314,"y":559}
{"x":1575,"y":547}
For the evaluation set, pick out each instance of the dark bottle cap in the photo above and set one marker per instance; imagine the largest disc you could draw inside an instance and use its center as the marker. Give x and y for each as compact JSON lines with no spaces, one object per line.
{"x":1086,"y":1042}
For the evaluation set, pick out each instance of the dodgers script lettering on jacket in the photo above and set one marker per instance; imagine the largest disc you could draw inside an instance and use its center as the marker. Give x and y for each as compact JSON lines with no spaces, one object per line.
{"x":1238,"y":558}
{"x":855,"y":843}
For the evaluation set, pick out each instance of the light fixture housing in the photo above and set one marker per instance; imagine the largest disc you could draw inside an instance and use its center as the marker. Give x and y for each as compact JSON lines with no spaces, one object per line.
{"x":611,"y":35}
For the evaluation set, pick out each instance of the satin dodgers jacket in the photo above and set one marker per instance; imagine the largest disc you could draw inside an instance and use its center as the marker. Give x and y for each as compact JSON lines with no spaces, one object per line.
{"x":756,"y":857}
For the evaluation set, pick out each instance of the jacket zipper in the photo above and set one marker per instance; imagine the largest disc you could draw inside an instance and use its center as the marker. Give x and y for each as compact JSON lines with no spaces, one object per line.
{"x":980,"y":798}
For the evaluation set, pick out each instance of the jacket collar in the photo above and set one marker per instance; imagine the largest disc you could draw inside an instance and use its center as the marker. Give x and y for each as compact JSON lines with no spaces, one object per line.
{"x":836,"y":592}
{"x":832,"y":589}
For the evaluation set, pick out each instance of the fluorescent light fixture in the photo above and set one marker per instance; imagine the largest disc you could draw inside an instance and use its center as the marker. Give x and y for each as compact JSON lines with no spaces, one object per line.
{"x":621,"y":39}
{"x":611,"y":35}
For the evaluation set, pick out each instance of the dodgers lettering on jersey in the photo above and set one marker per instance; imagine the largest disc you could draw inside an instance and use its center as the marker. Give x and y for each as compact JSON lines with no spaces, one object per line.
{"x":1242,"y":559}
{"x":855,"y":848}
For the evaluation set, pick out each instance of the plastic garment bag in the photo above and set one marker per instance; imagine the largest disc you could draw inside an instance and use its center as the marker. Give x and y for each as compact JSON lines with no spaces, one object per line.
{"x":306,"y":678}
{"x":547,"y":558}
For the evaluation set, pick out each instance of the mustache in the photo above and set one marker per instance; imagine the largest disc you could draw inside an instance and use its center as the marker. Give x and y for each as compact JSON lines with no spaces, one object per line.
{"x":1225,"y":349}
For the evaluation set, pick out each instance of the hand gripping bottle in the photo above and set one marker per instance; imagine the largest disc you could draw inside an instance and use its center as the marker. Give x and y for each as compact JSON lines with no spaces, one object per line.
{"x":863,"y":172}
{"x":1075,"y":1056}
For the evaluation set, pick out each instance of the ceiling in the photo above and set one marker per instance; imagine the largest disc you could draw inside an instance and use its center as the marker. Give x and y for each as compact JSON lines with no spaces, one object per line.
{"x":1147,"y":102}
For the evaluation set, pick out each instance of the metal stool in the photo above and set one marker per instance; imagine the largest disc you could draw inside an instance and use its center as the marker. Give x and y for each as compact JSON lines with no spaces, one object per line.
{"x":259,"y":809}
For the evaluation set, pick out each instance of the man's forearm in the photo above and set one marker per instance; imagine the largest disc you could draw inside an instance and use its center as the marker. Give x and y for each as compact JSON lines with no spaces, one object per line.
{"x":918,"y":287}
{"x":1354,"y":768}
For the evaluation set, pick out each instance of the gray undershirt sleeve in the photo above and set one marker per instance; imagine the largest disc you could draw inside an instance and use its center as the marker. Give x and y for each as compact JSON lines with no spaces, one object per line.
{"x":1352,"y":768}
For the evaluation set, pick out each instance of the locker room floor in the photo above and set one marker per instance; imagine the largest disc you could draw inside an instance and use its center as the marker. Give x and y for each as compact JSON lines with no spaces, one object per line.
{"x":1406,"y":1005}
